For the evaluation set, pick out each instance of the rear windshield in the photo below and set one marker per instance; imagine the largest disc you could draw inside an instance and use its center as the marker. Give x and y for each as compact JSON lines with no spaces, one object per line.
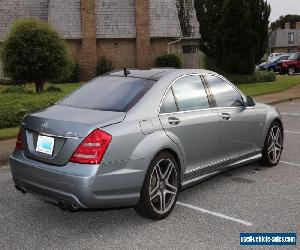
{"x":110,"y":93}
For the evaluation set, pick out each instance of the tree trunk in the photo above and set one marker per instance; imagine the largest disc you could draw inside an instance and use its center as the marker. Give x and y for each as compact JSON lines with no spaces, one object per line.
{"x":39,"y":87}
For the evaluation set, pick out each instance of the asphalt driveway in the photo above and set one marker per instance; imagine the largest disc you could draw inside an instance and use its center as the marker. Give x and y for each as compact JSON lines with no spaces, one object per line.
{"x":210,"y":215}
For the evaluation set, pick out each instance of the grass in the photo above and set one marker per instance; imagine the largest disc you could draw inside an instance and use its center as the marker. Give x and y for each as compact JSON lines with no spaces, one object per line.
{"x":13,"y":106}
{"x":8,"y":133}
{"x":282,"y":83}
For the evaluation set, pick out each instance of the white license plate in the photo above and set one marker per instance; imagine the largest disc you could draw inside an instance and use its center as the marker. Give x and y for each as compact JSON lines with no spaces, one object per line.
{"x":45,"y":144}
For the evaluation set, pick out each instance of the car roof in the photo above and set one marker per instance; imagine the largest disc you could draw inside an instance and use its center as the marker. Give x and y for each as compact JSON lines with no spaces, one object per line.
{"x":154,"y":73}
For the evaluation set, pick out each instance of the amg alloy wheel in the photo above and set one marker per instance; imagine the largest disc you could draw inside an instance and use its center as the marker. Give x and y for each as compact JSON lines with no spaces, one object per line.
{"x":273,"y":145}
{"x":160,"y":189}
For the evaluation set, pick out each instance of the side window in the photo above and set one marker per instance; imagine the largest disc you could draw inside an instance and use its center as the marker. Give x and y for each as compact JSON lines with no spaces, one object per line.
{"x":168,"y":105}
{"x":225,"y":95}
{"x":190,"y":93}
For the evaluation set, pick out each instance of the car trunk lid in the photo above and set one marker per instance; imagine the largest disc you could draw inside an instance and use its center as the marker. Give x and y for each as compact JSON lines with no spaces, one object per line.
{"x":67,"y":125}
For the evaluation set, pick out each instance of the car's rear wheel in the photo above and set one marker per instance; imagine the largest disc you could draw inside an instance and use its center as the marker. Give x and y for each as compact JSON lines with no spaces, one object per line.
{"x":160,"y":190}
{"x":292,"y":71}
{"x":273,"y":145}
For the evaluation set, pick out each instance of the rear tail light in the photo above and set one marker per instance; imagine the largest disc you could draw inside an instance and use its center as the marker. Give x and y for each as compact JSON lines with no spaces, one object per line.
{"x":19,"y":144}
{"x":92,"y":149}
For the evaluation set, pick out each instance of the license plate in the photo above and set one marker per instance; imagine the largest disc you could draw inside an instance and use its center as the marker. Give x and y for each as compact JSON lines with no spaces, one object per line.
{"x":45,"y":144}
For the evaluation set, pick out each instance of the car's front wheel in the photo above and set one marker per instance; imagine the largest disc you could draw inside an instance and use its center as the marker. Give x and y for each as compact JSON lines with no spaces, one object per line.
{"x":273,"y":145}
{"x":160,"y":190}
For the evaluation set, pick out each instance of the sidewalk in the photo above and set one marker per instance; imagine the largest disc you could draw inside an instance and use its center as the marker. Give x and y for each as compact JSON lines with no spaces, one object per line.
{"x":7,"y":146}
{"x":278,"y":97}
{"x":6,"y":149}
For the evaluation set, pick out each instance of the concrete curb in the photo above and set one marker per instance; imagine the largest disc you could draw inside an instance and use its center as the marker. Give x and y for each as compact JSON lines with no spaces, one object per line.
{"x":282,"y":100}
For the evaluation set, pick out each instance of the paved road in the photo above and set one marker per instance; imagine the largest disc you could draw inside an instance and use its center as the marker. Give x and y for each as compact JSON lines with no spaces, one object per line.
{"x":210,"y":215}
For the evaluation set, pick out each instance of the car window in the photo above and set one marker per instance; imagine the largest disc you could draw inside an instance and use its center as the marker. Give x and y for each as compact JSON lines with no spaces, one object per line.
{"x":293,"y":56}
{"x":168,"y":105}
{"x":190,"y":93}
{"x":111,"y":93}
{"x":224,"y":94}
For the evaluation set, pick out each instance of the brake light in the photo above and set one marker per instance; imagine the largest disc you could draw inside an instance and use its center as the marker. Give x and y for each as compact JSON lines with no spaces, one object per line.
{"x":19,"y":144}
{"x":92,"y":148}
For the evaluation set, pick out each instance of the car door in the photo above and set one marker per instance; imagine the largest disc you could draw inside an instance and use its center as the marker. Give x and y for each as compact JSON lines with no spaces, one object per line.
{"x":187,"y":119}
{"x":240,"y":127}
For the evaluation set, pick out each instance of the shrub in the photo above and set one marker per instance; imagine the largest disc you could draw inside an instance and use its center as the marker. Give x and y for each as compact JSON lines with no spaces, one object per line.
{"x":16,"y":90}
{"x":168,"y":60}
{"x":75,"y":73}
{"x":70,"y":76}
{"x":34,"y":52}
{"x":256,"y":77}
{"x":53,"y":88}
{"x":104,"y":66}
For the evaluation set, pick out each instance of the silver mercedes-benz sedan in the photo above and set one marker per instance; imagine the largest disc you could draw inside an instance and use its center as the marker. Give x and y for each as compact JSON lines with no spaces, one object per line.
{"x":136,"y":138}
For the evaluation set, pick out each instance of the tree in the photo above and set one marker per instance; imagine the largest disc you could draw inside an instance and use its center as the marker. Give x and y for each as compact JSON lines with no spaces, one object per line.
{"x":259,"y":15}
{"x":234,"y":32}
{"x":34,"y":52}
{"x":280,"y":23}
{"x":209,"y":13}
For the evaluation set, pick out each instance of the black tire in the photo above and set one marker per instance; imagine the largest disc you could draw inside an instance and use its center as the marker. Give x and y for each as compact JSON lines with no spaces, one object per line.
{"x":291,"y":71}
{"x":268,"y":158}
{"x":146,"y":206}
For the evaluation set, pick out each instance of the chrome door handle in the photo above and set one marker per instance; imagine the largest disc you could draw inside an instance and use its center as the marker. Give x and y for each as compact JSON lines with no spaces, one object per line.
{"x":173,"y":120}
{"x":226,"y":116}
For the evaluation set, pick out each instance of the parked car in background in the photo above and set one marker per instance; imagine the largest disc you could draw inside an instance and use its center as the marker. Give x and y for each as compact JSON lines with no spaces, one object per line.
{"x":271,"y":65}
{"x":272,"y":55}
{"x":135,"y":139}
{"x":290,"y":66}
{"x":261,"y":66}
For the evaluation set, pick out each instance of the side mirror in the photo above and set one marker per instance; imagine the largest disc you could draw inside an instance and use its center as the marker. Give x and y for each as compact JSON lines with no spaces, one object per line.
{"x":249,"y":102}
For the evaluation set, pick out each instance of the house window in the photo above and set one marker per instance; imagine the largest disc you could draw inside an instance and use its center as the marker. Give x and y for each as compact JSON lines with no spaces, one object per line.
{"x":291,"y":37}
{"x":189,"y":48}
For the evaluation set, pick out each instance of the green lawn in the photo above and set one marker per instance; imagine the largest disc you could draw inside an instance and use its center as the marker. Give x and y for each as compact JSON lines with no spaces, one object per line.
{"x":281,"y":83}
{"x":7,"y":133}
{"x":14,"y":106}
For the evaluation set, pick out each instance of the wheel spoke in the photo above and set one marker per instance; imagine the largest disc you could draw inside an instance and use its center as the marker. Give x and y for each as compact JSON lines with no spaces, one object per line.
{"x":168,"y":171}
{"x":170,"y":189}
{"x":159,"y":173}
{"x":272,"y":134}
{"x":270,"y":148}
{"x":274,"y":154}
{"x":277,"y":135}
{"x":154,"y":192}
{"x":162,"y":201}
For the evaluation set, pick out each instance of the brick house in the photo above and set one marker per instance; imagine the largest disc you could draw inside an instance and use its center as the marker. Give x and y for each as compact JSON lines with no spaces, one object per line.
{"x":131,"y":33}
{"x":285,"y":40}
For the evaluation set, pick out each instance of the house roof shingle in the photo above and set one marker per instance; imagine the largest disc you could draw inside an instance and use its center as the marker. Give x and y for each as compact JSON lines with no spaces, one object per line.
{"x":114,"y":18}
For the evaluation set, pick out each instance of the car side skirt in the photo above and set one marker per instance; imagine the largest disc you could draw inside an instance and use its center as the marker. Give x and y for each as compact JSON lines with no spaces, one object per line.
{"x":191,"y":182}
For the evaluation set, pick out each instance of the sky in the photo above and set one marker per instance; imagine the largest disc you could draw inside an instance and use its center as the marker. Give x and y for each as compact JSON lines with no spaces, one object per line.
{"x":283,"y":7}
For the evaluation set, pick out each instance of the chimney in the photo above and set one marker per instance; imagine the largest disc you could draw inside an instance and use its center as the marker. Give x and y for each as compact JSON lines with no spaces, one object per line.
{"x":142,"y":23}
{"x":297,"y":25}
{"x":287,"y":26}
{"x":88,"y":53}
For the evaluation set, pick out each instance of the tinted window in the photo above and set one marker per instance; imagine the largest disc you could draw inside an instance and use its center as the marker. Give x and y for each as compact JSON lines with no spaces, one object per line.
{"x":190,"y":93}
{"x":225,"y":95}
{"x":168,"y":105}
{"x":109,"y":93}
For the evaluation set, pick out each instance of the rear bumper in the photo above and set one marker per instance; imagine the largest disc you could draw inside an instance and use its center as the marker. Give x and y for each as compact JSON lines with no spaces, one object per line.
{"x":106,"y":185}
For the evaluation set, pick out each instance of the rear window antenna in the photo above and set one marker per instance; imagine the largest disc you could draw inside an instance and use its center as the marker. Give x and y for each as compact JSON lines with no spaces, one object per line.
{"x":126,"y":72}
